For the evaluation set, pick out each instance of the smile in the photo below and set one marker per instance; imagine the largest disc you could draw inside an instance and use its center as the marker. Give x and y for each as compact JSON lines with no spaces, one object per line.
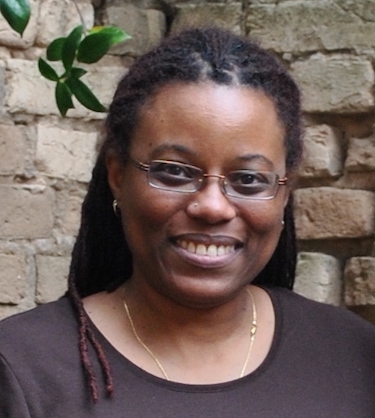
{"x":210,"y":250}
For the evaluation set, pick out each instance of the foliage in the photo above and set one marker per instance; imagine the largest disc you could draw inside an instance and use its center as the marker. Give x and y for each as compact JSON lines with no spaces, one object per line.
{"x":77,"y":47}
{"x":16,"y":13}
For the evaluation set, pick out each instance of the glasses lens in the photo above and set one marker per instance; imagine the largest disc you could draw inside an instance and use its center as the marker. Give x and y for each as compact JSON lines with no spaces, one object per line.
{"x":174,"y":176}
{"x":251,"y":184}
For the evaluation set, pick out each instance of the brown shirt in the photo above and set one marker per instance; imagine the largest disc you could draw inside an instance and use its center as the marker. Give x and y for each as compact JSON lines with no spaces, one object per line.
{"x":321,"y":364}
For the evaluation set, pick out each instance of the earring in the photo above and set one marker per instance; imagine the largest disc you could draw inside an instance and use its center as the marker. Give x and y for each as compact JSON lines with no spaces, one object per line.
{"x":282,"y":223}
{"x":195,"y":204}
{"x":115,"y":208}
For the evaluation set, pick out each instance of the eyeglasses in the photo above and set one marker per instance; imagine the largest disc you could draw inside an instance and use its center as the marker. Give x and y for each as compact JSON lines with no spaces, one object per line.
{"x":185,"y":178}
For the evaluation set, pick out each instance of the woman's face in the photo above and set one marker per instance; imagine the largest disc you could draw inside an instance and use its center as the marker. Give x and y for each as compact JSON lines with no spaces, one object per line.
{"x":201,"y":248}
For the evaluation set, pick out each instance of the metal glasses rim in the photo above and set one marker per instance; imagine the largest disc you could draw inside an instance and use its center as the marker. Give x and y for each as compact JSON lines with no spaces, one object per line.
{"x":146,"y":167}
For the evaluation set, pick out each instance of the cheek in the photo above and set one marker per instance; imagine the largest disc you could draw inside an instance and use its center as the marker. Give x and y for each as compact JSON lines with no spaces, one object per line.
{"x":145,"y":217}
{"x":265,"y":217}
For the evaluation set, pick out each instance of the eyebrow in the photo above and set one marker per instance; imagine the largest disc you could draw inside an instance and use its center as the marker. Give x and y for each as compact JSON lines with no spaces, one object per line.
{"x":187,"y":151}
{"x":256,"y":158}
{"x":173,"y":147}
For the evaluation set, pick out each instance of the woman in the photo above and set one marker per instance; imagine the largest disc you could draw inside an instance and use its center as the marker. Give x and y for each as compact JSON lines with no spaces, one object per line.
{"x":180,"y":273}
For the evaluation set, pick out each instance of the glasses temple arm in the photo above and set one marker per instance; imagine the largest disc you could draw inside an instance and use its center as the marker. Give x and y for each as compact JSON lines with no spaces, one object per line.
{"x":138,"y":164}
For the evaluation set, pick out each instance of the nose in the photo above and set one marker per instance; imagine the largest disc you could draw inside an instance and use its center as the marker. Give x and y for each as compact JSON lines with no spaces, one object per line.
{"x":210,"y":203}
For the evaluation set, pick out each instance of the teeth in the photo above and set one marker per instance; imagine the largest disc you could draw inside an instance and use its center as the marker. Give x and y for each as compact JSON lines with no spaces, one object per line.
{"x":221,"y":250}
{"x":211,"y":250}
{"x":201,"y":249}
{"x":191,"y":247}
{"x":183,"y":244}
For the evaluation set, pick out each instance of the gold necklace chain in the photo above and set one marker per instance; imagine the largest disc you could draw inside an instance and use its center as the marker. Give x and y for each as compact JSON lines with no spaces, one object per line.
{"x":138,"y":338}
{"x":253,"y":332}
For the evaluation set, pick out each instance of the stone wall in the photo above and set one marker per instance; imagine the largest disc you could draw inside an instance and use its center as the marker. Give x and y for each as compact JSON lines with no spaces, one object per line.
{"x":45,"y":161}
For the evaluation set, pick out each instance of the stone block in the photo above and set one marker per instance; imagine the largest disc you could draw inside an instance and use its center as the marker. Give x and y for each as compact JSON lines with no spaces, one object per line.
{"x":3,"y":88}
{"x":27,"y":91}
{"x":12,"y":278}
{"x":157,"y":27}
{"x":65,"y":153}
{"x":5,"y":53}
{"x":306,"y":26}
{"x":328,"y":213}
{"x":13,"y":147}
{"x":268,"y":1}
{"x":172,"y":2}
{"x":226,"y":16}
{"x":322,"y":152}
{"x":57,"y":18}
{"x":159,"y":5}
{"x":359,"y":278}
{"x":318,"y":277}
{"x":52,"y":275}
{"x":26,"y":211}
{"x":361,"y":154}
{"x":364,"y":180}
{"x":146,"y":27}
{"x":323,"y":90}
{"x":10,"y":38}
{"x":69,"y":212}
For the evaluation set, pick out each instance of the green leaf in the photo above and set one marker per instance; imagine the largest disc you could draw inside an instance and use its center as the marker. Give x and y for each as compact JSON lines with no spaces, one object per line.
{"x":54,"y":50}
{"x":63,"y":97}
{"x":47,"y":71}
{"x":118,"y":34}
{"x":70,"y":46}
{"x":95,"y":45}
{"x":84,"y":95}
{"x":77,"y":72}
{"x":16,"y":13}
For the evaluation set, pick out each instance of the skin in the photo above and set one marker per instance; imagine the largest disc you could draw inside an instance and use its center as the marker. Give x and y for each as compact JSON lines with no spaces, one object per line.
{"x":200,"y":301}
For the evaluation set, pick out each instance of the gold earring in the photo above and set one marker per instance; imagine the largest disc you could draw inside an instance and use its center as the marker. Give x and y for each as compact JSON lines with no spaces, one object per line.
{"x":115,"y":208}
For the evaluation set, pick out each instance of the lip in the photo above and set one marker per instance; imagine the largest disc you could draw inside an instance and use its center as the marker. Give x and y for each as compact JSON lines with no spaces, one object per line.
{"x":207,"y":251}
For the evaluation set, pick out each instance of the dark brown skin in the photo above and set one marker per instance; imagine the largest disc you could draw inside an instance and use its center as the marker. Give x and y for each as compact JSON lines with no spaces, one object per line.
{"x":192,"y":309}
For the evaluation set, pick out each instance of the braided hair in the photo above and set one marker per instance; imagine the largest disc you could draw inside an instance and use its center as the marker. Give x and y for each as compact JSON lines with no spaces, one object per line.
{"x":101,"y":258}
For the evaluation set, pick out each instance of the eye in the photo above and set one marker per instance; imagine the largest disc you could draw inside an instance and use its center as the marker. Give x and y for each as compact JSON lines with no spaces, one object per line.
{"x":247,"y":182}
{"x":248,"y":178}
{"x":173,"y":174}
{"x":173,"y":170}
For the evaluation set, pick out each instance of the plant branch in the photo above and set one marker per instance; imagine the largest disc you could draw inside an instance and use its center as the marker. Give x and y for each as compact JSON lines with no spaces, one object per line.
{"x":81,"y":17}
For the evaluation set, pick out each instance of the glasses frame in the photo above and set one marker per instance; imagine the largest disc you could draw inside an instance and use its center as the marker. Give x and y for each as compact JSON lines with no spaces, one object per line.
{"x":280,"y":181}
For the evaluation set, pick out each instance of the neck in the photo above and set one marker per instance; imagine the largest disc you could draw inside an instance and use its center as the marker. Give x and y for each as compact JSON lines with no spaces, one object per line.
{"x":199,"y":347}
{"x":178,"y":322}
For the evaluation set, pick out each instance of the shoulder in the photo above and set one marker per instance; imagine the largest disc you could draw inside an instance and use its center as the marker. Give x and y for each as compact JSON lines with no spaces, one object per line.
{"x":320,"y":319}
{"x":49,"y":322}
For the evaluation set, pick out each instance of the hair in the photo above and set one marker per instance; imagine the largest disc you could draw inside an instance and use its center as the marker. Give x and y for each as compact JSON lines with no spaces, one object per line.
{"x":101,"y":258}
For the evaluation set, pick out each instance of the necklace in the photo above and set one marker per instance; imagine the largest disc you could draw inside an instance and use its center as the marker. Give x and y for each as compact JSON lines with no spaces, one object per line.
{"x":253,"y":332}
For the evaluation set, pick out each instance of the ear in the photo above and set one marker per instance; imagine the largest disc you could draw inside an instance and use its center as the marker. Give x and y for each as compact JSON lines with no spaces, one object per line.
{"x":115,"y":174}
{"x":287,"y":193}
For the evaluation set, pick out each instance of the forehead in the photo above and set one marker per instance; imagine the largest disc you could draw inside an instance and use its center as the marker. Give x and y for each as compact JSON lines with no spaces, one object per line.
{"x":209,"y":120}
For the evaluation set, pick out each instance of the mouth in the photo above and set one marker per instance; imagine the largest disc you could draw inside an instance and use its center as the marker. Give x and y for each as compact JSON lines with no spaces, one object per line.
{"x":209,"y":250}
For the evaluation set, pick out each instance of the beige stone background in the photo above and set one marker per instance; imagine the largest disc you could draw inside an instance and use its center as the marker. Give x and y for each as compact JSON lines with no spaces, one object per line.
{"x":45,"y":161}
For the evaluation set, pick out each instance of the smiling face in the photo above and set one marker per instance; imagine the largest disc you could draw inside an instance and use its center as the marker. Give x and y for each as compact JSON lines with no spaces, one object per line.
{"x":201,"y":248}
